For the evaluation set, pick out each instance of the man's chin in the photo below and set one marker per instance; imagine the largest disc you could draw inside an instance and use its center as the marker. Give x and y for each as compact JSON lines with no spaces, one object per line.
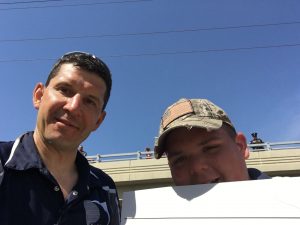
{"x":62,"y":140}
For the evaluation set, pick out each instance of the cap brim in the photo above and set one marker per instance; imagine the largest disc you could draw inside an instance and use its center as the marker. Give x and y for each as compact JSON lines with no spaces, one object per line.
{"x":190,"y":122}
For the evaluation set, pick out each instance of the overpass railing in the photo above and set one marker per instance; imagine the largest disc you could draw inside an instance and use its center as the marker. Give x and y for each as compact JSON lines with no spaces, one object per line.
{"x":141,"y":155}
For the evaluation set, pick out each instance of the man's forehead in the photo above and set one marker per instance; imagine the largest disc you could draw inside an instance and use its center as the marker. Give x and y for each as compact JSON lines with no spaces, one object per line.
{"x":195,"y":131}
{"x":69,"y":72}
{"x":202,"y":136}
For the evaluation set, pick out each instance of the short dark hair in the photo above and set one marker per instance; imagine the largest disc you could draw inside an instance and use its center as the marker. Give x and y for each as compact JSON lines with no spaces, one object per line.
{"x":87,"y":62}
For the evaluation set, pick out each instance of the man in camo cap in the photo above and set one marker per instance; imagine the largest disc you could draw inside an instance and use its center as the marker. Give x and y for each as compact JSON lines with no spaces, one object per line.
{"x":202,"y":145}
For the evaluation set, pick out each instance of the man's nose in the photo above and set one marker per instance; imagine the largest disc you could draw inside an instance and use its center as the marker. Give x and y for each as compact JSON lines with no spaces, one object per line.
{"x":197,"y":166}
{"x":74,"y":103}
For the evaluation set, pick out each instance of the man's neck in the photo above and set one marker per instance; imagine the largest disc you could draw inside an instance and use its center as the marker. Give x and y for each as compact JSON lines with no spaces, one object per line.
{"x":59,"y":162}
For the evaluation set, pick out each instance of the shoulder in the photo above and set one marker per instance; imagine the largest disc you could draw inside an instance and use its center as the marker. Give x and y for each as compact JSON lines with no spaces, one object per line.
{"x":6,"y":145}
{"x":5,"y":149}
{"x":102,"y":177}
{"x":256,"y":174}
{"x":108,"y":188}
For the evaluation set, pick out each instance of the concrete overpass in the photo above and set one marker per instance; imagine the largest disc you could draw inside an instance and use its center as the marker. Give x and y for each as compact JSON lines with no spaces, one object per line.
{"x":141,"y":173}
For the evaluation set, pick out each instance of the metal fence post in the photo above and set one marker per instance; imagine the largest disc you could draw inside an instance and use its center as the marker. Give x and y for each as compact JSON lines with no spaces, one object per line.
{"x":98,"y":158}
{"x":139,"y":155}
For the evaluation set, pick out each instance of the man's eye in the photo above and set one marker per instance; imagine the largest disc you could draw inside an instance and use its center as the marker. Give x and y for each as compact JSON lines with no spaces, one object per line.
{"x":90,"y":102}
{"x":211,"y":149}
{"x":64,"y":90}
{"x":177,"y":162}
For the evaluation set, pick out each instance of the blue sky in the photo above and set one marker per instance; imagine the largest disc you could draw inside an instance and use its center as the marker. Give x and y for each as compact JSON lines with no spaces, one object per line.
{"x":224,"y":51}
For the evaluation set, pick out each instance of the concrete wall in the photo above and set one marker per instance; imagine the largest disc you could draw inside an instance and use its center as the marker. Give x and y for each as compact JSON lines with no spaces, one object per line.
{"x":150,"y":173}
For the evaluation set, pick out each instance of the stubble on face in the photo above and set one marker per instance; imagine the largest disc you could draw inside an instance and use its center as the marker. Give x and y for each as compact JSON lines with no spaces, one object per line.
{"x":197,"y":156}
{"x":70,"y":107}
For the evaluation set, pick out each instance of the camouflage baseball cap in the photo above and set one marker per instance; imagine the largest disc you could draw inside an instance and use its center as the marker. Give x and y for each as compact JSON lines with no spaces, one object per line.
{"x":189,"y":113}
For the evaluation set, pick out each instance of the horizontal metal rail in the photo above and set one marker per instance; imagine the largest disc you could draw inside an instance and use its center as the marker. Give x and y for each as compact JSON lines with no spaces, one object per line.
{"x":141,"y":155}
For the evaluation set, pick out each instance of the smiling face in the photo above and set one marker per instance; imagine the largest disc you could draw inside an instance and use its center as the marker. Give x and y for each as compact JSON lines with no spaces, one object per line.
{"x":69,"y":108}
{"x":197,"y":156}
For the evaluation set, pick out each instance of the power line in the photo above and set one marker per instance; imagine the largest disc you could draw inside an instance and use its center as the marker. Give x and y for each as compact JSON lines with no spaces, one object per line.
{"x":206,"y":51}
{"x":149,"y":33}
{"x":41,"y":1}
{"x":80,"y":4}
{"x":167,"y":53}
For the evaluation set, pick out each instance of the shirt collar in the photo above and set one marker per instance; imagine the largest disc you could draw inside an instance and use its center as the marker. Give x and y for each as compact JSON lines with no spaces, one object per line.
{"x":24,"y":154}
{"x":86,"y":175}
{"x":83,"y":168}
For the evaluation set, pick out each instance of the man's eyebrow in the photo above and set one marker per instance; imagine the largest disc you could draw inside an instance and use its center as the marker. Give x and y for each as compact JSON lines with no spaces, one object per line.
{"x":174,"y":153}
{"x":178,"y":152}
{"x":208,"y":141}
{"x":63,"y":83}
{"x":66,"y":84}
{"x":94,"y":98}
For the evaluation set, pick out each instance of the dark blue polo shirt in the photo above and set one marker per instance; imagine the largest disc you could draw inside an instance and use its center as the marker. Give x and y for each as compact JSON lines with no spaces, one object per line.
{"x":30,"y":195}
{"x":256,"y":174}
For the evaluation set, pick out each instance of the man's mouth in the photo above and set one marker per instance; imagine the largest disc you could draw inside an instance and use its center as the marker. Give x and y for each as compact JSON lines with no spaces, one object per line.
{"x":66,"y":122}
{"x":216,"y":180}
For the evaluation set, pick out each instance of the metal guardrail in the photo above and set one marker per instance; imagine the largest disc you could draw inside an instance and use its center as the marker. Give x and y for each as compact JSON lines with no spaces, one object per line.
{"x":121,"y":156}
{"x":141,"y":155}
{"x":267,"y":146}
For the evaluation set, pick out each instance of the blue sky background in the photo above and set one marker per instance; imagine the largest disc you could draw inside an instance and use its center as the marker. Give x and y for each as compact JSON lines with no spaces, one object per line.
{"x":227,"y":58}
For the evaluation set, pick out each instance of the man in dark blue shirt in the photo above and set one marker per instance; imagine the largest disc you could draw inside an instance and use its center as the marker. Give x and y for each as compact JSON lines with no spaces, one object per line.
{"x":43,"y":178}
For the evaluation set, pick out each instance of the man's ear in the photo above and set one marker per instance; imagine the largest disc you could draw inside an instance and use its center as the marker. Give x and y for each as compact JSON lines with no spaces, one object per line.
{"x":37,"y":95}
{"x":241,"y":141}
{"x":100,"y":120}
